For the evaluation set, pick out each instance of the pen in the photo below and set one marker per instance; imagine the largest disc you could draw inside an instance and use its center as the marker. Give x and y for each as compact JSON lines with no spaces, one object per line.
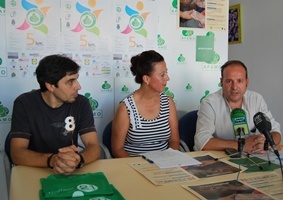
{"x":148,"y":160}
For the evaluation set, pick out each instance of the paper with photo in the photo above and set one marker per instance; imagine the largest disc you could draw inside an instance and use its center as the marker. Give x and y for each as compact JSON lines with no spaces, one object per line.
{"x":210,"y":167}
{"x":225,"y":190}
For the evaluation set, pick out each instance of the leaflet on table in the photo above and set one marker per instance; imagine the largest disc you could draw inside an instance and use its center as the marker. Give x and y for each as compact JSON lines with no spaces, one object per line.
{"x":272,"y":157}
{"x":255,"y":164}
{"x":170,"y":158}
{"x":269,"y":183}
{"x":226,"y":189}
{"x":212,"y":168}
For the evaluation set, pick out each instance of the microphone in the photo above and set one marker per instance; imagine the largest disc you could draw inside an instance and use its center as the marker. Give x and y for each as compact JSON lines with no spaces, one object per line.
{"x":263,"y":124}
{"x":239,"y":121}
{"x":240,"y":125}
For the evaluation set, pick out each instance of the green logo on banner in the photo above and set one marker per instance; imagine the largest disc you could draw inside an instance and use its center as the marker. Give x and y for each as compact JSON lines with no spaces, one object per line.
{"x":181,"y":58}
{"x":4,"y":111}
{"x":93,"y":102}
{"x":205,"y":94}
{"x":160,"y":41}
{"x":168,"y":92}
{"x":106,"y":85}
{"x":189,"y":87}
{"x":175,"y":4}
{"x":125,"y":88}
{"x":210,"y":33}
{"x":187,"y":33}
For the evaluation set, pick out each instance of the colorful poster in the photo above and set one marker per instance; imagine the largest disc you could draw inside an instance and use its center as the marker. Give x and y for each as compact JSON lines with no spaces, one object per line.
{"x":135,"y":27}
{"x":33,"y":26}
{"x":86,"y":26}
{"x":32,"y":31}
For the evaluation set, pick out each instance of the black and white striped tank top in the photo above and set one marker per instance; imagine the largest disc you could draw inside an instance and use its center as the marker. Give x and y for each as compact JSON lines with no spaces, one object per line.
{"x":147,"y":135}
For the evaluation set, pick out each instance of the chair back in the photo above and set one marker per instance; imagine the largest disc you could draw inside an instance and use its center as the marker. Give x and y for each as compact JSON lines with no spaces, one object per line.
{"x":104,"y":154}
{"x":7,"y":147}
{"x":187,"y":128}
{"x":106,"y":137}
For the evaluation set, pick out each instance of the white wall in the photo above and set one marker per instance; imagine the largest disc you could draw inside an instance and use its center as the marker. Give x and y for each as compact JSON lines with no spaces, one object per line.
{"x":262,"y":50}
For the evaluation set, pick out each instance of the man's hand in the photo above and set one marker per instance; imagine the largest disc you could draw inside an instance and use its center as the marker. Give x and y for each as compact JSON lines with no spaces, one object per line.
{"x":199,"y":17}
{"x":66,"y":161}
{"x":186,"y":14}
{"x":255,"y":143}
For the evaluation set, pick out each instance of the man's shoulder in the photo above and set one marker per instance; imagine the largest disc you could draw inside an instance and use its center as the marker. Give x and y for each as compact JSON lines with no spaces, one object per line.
{"x":83,"y":99}
{"x":252,"y":94}
{"x":29,"y":95}
{"x":215,"y":95}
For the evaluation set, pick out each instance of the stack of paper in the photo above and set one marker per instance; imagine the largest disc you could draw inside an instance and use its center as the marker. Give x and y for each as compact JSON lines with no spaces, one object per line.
{"x":170,"y":158}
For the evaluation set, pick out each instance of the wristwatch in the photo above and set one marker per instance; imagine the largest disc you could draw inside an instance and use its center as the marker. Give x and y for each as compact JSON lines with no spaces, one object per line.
{"x":82,"y":161}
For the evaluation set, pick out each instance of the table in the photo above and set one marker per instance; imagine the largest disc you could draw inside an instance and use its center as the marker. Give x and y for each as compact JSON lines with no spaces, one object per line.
{"x":25,"y":182}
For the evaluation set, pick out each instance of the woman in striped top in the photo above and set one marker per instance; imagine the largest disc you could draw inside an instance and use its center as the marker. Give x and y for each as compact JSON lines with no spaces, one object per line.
{"x":146,"y":120}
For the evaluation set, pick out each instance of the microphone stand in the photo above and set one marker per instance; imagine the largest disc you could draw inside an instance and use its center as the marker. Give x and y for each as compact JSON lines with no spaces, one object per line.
{"x":248,"y":157}
{"x":265,"y":147}
{"x":241,"y":141}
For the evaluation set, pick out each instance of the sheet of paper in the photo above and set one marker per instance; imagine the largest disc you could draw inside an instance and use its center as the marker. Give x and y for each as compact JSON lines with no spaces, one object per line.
{"x":162,"y":176}
{"x":269,"y":183}
{"x":226,"y":189}
{"x":170,"y":158}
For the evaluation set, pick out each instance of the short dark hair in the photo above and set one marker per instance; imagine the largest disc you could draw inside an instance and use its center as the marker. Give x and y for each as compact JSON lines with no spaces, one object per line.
{"x":53,"y":68}
{"x":233,"y":62}
{"x":143,"y":64}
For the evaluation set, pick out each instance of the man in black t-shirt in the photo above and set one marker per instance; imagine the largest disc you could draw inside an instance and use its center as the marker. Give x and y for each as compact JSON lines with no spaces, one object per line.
{"x":46,"y":123}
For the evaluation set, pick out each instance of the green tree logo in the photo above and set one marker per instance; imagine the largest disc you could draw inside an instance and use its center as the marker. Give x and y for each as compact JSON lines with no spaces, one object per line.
{"x":125,"y":88}
{"x":168,"y":92}
{"x":160,"y":41}
{"x":187,"y":33}
{"x":181,"y":58}
{"x":189,"y":87}
{"x":205,"y":95}
{"x":106,"y":85}
{"x":175,"y":4}
{"x":93,"y":102}
{"x":4,"y":111}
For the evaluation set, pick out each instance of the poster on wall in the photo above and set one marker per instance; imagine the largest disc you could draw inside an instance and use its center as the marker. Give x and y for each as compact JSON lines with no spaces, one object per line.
{"x":3,"y":68}
{"x":86,"y":35}
{"x":205,"y":14}
{"x":32,"y":30}
{"x":135,"y":27}
{"x":86,"y":26}
{"x":134,"y":30}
